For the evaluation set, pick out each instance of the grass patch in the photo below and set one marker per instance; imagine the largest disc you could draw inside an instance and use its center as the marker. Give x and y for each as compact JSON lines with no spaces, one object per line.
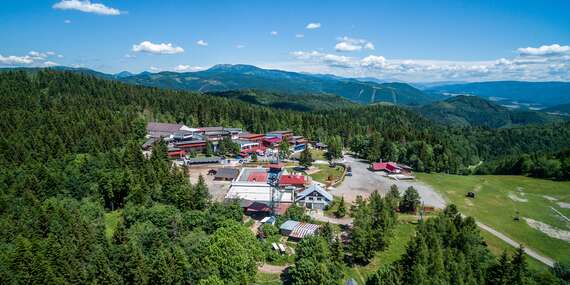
{"x":318,"y":154}
{"x":498,"y":198}
{"x":402,"y":234}
{"x":326,"y":171}
{"x":263,"y":278}
{"x":111,"y":222}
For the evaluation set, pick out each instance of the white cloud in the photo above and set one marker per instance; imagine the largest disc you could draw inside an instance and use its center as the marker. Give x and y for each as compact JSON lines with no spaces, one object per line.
{"x":548,"y":64}
{"x":273,"y":33}
{"x":184,"y":67}
{"x":346,"y":44}
{"x":240,"y":46}
{"x":87,"y":7}
{"x":67,"y":21}
{"x":34,"y":58}
{"x":313,"y":26}
{"x":545,"y":50}
{"x":202,"y":43}
{"x":162,"y":48}
{"x":155,"y":69}
{"x":50,"y":63}
{"x":374,"y":61}
{"x":329,"y":59}
{"x":299,"y":36}
{"x":16,"y":60}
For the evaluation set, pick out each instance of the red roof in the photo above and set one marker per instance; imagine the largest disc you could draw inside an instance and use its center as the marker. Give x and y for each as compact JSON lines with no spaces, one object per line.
{"x":177,"y":153}
{"x":258,"y":207}
{"x":276,"y":166}
{"x":272,"y":140}
{"x":257,"y":177}
{"x":387,"y":166}
{"x":251,"y":136}
{"x":285,"y":180}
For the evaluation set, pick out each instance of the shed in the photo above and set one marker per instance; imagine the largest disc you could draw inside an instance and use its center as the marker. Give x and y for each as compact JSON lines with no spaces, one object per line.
{"x":227,"y":174}
{"x":298,"y":230}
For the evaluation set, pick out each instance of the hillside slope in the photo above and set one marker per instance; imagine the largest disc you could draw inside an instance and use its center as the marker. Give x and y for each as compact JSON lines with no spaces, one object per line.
{"x":305,"y":102}
{"x":475,"y":111}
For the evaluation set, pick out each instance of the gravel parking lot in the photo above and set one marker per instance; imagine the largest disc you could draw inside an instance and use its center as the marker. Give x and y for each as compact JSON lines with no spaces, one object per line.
{"x":218,"y":189}
{"x":363,"y":182}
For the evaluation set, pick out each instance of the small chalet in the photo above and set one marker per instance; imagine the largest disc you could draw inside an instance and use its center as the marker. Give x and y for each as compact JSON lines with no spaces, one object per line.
{"x":314,"y":197}
{"x":391,"y":168}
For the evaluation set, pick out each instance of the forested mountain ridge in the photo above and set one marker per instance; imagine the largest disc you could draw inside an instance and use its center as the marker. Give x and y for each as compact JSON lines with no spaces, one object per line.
{"x":545,"y":93}
{"x":226,"y":77}
{"x":304,"y":102}
{"x":465,"y":110}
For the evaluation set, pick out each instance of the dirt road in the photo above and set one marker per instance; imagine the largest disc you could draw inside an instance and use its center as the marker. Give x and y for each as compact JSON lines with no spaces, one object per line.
{"x":546,"y":260}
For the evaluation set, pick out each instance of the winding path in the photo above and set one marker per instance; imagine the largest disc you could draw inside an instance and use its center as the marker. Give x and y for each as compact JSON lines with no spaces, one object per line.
{"x":546,"y":260}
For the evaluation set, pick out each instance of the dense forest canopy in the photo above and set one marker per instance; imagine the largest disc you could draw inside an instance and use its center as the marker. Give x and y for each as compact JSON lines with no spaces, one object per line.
{"x":70,"y":159}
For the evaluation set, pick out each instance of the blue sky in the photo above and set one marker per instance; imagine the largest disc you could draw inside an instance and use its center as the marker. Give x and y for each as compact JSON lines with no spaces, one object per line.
{"x":394,"y":40}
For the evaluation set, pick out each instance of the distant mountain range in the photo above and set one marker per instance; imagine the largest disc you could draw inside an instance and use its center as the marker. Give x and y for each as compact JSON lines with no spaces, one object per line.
{"x":518,"y":92}
{"x":275,"y":85}
{"x":227,"y":77}
{"x":475,"y":111}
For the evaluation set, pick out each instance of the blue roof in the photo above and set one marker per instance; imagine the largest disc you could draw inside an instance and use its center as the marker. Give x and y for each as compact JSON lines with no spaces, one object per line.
{"x":313,"y":188}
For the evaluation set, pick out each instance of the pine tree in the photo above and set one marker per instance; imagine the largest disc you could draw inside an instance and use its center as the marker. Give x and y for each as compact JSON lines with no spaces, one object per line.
{"x":306,"y":158}
{"x":201,"y":196}
{"x":341,"y":210}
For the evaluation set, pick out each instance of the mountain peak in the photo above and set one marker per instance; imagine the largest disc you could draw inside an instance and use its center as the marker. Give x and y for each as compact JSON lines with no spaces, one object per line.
{"x":234,"y":68}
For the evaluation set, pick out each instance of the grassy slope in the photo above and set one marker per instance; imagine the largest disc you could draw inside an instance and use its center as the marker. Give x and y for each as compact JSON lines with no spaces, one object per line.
{"x":493,"y":206}
{"x":402,"y":234}
{"x":497,"y":246}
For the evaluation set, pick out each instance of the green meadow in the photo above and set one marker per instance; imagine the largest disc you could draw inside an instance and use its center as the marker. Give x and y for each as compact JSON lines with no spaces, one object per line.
{"x":499,"y":199}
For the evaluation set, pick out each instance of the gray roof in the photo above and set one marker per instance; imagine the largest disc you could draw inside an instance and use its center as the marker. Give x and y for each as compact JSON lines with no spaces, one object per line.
{"x":289,"y":225}
{"x":313,"y":188}
{"x":351,"y":281}
{"x":195,"y":160}
{"x":162,"y":129}
{"x":149,"y":143}
{"x":227,"y":173}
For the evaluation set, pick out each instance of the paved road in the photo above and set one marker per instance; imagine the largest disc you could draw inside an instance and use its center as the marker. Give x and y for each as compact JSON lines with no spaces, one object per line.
{"x":546,"y":260}
{"x":363,"y":182}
